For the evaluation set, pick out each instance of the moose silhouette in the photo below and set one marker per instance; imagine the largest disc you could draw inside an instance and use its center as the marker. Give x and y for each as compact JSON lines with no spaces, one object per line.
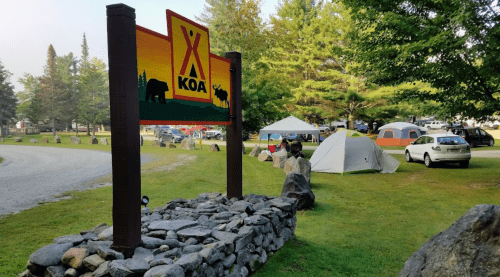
{"x":221,"y":94}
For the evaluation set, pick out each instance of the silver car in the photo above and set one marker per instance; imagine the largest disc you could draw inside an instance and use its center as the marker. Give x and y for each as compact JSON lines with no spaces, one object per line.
{"x":172,"y":135}
{"x":438,"y":148}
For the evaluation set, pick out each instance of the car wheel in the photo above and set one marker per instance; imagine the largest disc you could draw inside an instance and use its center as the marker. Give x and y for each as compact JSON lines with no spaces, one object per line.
{"x":218,"y":137}
{"x":408,"y":157}
{"x":492,"y":142}
{"x":427,"y":160}
{"x":472,"y":144}
{"x":464,"y":164}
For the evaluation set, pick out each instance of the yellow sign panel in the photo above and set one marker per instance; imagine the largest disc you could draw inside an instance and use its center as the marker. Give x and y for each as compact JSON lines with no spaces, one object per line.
{"x":191,"y":59}
{"x":180,"y":81}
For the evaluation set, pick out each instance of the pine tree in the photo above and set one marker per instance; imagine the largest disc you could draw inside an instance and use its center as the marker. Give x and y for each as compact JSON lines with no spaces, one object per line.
{"x":8,"y":101}
{"x":52,"y":90}
{"x":68,"y":71}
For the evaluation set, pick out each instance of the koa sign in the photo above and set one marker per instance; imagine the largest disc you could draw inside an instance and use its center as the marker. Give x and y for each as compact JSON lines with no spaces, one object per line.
{"x":180,"y":81}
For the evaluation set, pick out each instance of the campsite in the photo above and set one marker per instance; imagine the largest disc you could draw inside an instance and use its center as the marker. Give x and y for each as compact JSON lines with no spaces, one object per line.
{"x":362,"y":224}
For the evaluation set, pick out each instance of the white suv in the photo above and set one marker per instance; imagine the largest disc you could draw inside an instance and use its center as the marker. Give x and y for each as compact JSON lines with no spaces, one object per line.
{"x":439,"y":148}
{"x":436,"y":125}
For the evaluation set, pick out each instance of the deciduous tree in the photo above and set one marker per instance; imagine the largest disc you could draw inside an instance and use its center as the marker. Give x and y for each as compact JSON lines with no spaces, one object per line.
{"x":452,"y":45}
{"x":8,"y":101}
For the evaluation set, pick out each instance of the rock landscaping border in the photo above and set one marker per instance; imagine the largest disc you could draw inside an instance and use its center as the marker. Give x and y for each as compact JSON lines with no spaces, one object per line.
{"x":210,"y":235}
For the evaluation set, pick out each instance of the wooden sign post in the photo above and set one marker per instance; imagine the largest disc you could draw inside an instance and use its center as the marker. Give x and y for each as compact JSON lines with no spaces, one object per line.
{"x":157,"y":79}
{"x":125,"y":144}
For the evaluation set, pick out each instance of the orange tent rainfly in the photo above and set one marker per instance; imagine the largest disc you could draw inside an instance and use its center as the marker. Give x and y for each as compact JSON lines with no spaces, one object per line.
{"x":398,"y":134}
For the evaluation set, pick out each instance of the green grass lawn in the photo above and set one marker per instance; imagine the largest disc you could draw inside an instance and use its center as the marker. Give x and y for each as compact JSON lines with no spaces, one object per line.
{"x":361,"y":225}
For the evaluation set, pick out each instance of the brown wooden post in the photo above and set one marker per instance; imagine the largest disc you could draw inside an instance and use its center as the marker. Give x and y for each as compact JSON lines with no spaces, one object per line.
{"x":125,"y":148}
{"x":234,"y":131}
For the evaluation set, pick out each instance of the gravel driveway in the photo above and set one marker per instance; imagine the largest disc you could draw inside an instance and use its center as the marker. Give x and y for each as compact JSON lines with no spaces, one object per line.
{"x":30,"y":174}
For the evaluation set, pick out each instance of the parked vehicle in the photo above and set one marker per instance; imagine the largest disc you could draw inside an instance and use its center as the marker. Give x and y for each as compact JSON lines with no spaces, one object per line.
{"x":323,"y":128}
{"x":214,"y":134}
{"x":473,"y":135}
{"x":437,"y":148}
{"x":158,"y":129}
{"x":172,"y":135}
{"x":362,"y":129}
{"x":436,"y":125}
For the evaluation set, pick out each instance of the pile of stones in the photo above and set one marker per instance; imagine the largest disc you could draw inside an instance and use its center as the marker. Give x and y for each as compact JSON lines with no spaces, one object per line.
{"x":210,"y":235}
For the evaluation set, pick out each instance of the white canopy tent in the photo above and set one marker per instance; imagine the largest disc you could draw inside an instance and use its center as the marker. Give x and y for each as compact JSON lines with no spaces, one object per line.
{"x":289,"y":125}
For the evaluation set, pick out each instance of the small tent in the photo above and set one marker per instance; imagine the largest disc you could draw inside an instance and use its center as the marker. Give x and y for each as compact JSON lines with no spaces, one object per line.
{"x":289,"y":125}
{"x":349,"y":151}
{"x":398,"y":134}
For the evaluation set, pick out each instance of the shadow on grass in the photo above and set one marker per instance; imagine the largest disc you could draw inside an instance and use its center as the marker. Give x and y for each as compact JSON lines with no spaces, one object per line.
{"x":301,"y":258}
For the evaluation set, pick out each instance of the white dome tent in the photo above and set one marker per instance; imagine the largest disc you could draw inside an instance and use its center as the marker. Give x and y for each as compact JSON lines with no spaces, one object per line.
{"x":350,"y":151}
{"x":289,"y":125}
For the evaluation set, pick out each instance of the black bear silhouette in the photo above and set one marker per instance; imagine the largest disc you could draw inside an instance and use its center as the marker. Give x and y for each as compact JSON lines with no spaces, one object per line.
{"x":156,"y":88}
{"x":221,"y":94}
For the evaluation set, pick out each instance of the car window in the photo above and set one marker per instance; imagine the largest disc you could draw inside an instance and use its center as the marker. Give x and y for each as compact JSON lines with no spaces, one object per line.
{"x":477,"y":131}
{"x":420,"y":140}
{"x":413,"y":134}
{"x":430,"y":140}
{"x":451,"y":140}
{"x":483,"y":133}
{"x":388,"y":134}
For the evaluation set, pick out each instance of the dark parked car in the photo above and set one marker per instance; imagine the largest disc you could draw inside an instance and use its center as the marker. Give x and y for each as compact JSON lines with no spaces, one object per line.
{"x":172,"y":135}
{"x":473,"y":135}
{"x":158,"y":129}
{"x":362,"y":129}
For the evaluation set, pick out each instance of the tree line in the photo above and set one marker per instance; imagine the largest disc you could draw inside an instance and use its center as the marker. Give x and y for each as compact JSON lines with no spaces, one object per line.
{"x":320,"y":61}
{"x":70,"y":90}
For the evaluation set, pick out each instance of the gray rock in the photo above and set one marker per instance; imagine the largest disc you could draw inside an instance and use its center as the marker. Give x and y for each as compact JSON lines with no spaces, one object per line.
{"x":191,"y":249}
{"x":279,"y":242}
{"x":109,"y":254}
{"x":191,"y":241}
{"x":93,"y":140}
{"x":18,"y":139}
{"x":263,"y":257}
{"x":229,"y":261}
{"x":256,"y":220}
{"x":265,"y":156}
{"x":106,"y":234}
{"x":174,"y":253}
{"x":161,"y":261}
{"x":244,"y":257}
{"x":102,"y":270}
{"x":89,"y":236}
{"x":92,"y":246}
{"x":76,"y":140}
{"x":93,"y":262}
{"x":286,"y":234}
{"x":171,"y":235}
{"x":255,"y":151}
{"x":239,"y":206}
{"x":243,"y":271}
{"x":257,"y":240}
{"x":224,"y":236}
{"x":279,"y":158}
{"x":71,"y":272}
{"x":74,"y":239}
{"x":99,"y":228}
{"x":55,"y":271}
{"x":118,"y":268}
{"x":57,"y":139}
{"x":296,"y":186}
{"x":171,"y":243}
{"x":144,"y":254}
{"x":165,"y":271}
{"x":221,"y":216}
{"x":137,"y":265}
{"x":33,"y":140}
{"x":49,"y":255}
{"x":214,"y":148}
{"x":281,"y":204}
{"x":199,"y":233}
{"x":469,"y":247}
{"x":190,"y":261}
{"x":151,"y":243}
{"x":174,"y":225}
{"x":104,"y":141}
{"x":160,"y":234}
{"x":262,"y":205}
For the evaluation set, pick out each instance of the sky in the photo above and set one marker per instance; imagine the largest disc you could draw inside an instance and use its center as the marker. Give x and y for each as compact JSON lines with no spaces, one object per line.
{"x":28,"y":27}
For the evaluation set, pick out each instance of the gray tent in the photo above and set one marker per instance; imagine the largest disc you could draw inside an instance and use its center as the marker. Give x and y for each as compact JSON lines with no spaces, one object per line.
{"x":348,"y":151}
{"x":289,"y":125}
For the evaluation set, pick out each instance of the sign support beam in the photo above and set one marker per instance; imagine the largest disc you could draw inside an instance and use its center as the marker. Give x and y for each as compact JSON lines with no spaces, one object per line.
{"x":125,"y":145}
{"x":234,"y":131}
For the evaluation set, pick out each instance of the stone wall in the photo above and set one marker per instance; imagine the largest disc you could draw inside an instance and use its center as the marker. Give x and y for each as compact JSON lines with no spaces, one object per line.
{"x":206,"y":236}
